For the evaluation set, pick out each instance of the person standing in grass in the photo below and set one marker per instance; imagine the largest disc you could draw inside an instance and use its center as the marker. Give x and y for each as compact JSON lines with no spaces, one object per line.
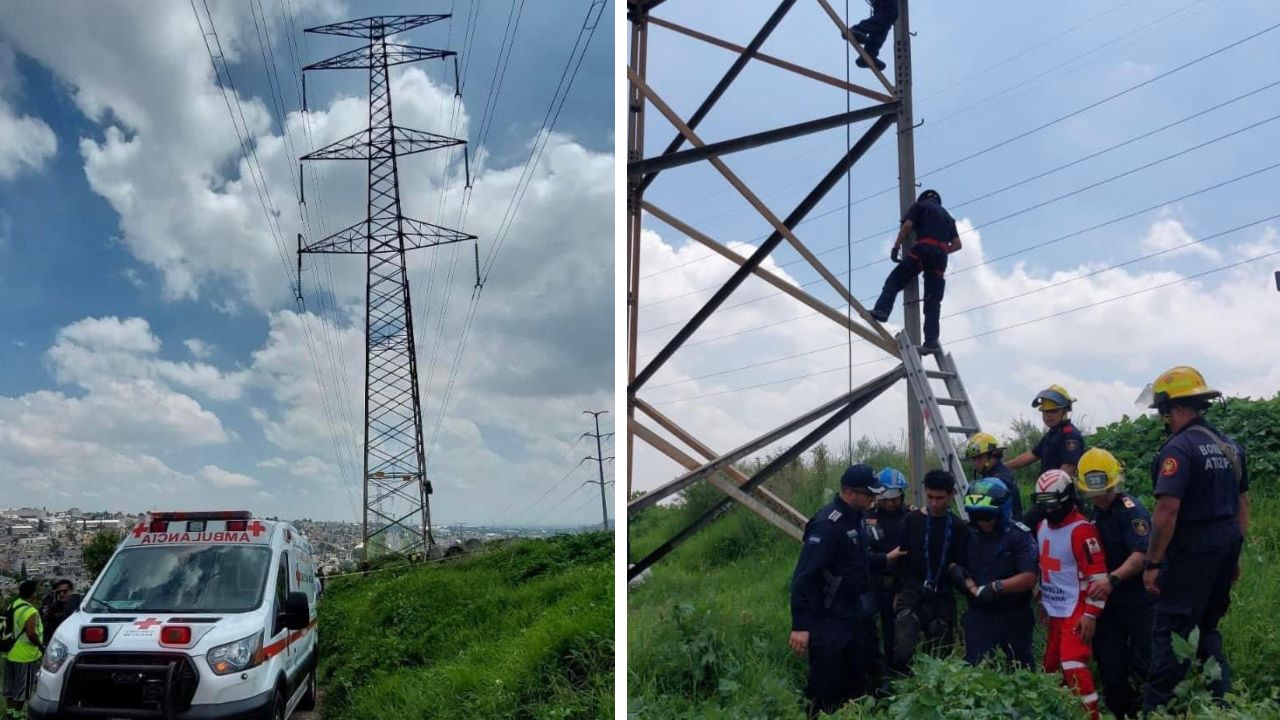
{"x":1197,"y":530}
{"x":933,"y":540}
{"x":22,"y":628}
{"x":831,"y":578}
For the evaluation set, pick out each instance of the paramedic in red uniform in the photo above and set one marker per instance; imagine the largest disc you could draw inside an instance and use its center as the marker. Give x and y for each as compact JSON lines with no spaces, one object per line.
{"x":1071,"y":561}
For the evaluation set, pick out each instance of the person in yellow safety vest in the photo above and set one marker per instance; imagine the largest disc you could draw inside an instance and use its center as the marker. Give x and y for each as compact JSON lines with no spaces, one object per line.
{"x":24,"y":626}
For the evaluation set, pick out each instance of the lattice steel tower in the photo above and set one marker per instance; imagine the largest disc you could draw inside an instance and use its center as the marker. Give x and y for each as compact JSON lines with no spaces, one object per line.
{"x":397,"y":513}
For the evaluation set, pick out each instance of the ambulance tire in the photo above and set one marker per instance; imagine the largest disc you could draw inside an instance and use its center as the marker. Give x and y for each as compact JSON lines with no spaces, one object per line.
{"x":279,"y":707}
{"x":308,"y":701}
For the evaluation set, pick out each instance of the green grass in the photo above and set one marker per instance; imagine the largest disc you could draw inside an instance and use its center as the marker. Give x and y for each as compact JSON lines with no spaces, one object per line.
{"x":707,"y":628}
{"x":519,"y":632}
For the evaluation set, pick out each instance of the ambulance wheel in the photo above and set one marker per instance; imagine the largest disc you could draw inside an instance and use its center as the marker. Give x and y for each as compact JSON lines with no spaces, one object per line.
{"x":308,"y":701}
{"x":279,"y":706}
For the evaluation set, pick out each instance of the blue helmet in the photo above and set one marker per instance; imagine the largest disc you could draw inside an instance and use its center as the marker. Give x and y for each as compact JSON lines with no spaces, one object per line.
{"x":989,"y":498}
{"x":894,"y":482}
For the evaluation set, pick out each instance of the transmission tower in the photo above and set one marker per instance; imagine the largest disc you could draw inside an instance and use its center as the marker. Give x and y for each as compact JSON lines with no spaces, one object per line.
{"x":891,"y":108}
{"x":600,"y":459}
{"x":397,"y":508}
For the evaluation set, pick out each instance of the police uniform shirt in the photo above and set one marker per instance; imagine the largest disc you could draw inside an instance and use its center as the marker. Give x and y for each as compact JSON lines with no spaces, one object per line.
{"x":1010,"y":550}
{"x":884,"y":532}
{"x":1062,"y":445}
{"x":912,"y":566}
{"x":1191,"y":466}
{"x":1124,"y":528}
{"x":931,"y":220}
{"x":834,"y":547}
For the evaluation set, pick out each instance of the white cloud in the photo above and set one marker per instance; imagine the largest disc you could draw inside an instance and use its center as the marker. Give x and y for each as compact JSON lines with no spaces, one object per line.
{"x":198,"y":348}
{"x":1170,"y":234}
{"x":1104,"y":355}
{"x":26,"y":142}
{"x":225,"y":478}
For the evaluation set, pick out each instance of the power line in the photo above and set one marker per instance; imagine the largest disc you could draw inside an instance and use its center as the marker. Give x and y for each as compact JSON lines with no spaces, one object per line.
{"x":1027,"y":133}
{"x":1024,"y":323}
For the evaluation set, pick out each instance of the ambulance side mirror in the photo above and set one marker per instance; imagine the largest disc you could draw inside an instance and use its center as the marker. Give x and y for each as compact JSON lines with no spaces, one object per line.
{"x":296,"y":613}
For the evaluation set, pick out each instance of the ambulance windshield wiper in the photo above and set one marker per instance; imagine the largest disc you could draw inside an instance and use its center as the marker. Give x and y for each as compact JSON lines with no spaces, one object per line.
{"x":108,"y":604}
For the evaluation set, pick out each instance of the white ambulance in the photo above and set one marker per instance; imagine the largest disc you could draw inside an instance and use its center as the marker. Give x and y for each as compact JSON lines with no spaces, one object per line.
{"x":197,"y":615}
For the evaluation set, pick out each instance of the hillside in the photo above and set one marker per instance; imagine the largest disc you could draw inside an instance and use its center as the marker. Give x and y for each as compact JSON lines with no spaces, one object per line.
{"x":522,"y":630}
{"x":707,"y":629}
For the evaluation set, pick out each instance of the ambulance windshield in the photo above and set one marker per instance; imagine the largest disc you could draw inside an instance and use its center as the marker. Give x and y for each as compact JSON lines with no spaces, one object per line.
{"x":182,"y":578}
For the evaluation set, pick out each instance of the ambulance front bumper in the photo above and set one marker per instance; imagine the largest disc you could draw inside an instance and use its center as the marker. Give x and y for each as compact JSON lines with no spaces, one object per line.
{"x":252,"y":708}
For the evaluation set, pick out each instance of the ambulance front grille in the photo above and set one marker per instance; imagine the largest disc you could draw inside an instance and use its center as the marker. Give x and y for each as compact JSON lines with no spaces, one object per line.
{"x":130,"y":681}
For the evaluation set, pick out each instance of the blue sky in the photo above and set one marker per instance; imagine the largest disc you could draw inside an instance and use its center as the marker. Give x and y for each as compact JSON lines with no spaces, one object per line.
{"x":133,"y":250}
{"x":982,"y":75}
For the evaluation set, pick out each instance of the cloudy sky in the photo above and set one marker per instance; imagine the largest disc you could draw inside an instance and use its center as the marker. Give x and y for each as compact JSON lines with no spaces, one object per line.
{"x":153,"y":353}
{"x":1041,"y":248}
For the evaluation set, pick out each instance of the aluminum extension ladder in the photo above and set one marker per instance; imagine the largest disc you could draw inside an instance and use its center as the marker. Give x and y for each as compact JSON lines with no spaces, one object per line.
{"x":941,"y":433}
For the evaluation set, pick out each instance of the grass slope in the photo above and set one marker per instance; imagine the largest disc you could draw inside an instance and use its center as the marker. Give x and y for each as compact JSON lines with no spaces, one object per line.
{"x":523,"y":631}
{"x":707,"y":629}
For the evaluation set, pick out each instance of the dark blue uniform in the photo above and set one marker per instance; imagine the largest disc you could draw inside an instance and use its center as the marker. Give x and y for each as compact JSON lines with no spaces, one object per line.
{"x":884,"y":13}
{"x":1207,"y":471}
{"x":926,"y":604}
{"x":1001,"y":472}
{"x":827,"y":593}
{"x":1122,"y":641}
{"x":1061,"y":445}
{"x":884,"y":531}
{"x":1006,"y":622}
{"x":935,"y":229}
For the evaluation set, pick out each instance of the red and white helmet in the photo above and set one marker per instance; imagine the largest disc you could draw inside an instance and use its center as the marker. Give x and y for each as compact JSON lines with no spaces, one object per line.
{"x":1054,"y":490}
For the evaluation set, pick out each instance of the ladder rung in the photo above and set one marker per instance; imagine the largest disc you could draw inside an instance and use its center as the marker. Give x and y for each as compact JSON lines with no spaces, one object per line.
{"x":939,"y":374}
{"x":950,"y":402}
{"x":962,"y":429}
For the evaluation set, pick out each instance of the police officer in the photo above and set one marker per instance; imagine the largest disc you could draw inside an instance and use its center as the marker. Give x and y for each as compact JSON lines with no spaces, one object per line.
{"x":1201,"y":514}
{"x":884,"y":533}
{"x":936,"y":238}
{"x":932,"y":539}
{"x":1122,"y":640}
{"x":987,"y":456}
{"x":827,"y":591}
{"x":998,"y":572}
{"x":1059,"y":448}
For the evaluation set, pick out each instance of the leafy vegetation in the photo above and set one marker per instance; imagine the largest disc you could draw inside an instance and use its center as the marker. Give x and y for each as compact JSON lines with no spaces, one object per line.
{"x":520,"y":631}
{"x":708,"y":626}
{"x":98,"y":551}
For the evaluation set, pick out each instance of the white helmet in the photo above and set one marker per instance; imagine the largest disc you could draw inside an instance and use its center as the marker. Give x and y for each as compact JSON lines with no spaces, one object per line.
{"x":1054,"y":491}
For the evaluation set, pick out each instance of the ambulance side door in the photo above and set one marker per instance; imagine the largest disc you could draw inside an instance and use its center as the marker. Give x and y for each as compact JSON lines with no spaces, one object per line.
{"x":279,"y":633}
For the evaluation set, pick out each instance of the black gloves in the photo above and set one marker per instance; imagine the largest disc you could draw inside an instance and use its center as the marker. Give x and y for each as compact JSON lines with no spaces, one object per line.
{"x":893,"y":254}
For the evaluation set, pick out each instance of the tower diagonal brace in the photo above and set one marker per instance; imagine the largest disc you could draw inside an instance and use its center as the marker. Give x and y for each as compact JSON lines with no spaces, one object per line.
{"x":358,"y":59}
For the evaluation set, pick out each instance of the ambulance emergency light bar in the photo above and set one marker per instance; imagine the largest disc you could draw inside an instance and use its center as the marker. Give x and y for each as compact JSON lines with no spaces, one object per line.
{"x":237,"y":520}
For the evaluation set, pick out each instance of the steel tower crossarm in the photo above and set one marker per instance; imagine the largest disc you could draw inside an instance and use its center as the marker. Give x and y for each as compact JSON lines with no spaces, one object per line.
{"x":377,"y":26}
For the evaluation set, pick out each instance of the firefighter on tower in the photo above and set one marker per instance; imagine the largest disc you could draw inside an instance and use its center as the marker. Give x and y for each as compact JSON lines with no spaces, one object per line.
{"x":1071,"y":568}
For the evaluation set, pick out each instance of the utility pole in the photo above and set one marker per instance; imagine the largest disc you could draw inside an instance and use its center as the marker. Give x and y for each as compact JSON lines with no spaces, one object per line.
{"x":599,"y":458}
{"x":397,"y":510}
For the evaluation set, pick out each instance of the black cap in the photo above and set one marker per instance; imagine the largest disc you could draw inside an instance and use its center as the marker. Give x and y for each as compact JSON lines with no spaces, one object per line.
{"x":861,"y":477}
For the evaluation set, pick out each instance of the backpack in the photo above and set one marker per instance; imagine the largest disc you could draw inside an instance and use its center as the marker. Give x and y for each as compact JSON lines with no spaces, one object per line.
{"x":8,"y":629}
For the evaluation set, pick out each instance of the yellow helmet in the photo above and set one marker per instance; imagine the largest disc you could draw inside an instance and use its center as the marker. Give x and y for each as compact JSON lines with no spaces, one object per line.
{"x":1053,"y":397}
{"x":981,"y":444}
{"x":1098,"y":473}
{"x":1179,"y":383}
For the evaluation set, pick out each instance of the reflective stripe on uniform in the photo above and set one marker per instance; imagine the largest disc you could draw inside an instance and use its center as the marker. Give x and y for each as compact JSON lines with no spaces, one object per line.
{"x":1072,"y":665}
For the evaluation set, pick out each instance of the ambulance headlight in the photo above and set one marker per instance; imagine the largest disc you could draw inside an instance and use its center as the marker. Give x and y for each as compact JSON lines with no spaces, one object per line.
{"x":236,"y":656}
{"x":55,"y":656}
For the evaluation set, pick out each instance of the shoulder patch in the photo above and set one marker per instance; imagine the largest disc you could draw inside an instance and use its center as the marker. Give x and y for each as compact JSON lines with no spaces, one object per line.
{"x":1018,"y":524}
{"x":1072,"y":445}
{"x":1140,"y":527}
{"x":1093,"y":546}
{"x":1128,"y":502}
{"x":1169,"y":467}
{"x":835,"y":515}
{"x":814,"y":539}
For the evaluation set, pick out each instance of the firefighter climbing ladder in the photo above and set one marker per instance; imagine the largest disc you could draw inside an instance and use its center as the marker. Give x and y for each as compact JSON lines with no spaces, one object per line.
{"x":892,"y":107}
